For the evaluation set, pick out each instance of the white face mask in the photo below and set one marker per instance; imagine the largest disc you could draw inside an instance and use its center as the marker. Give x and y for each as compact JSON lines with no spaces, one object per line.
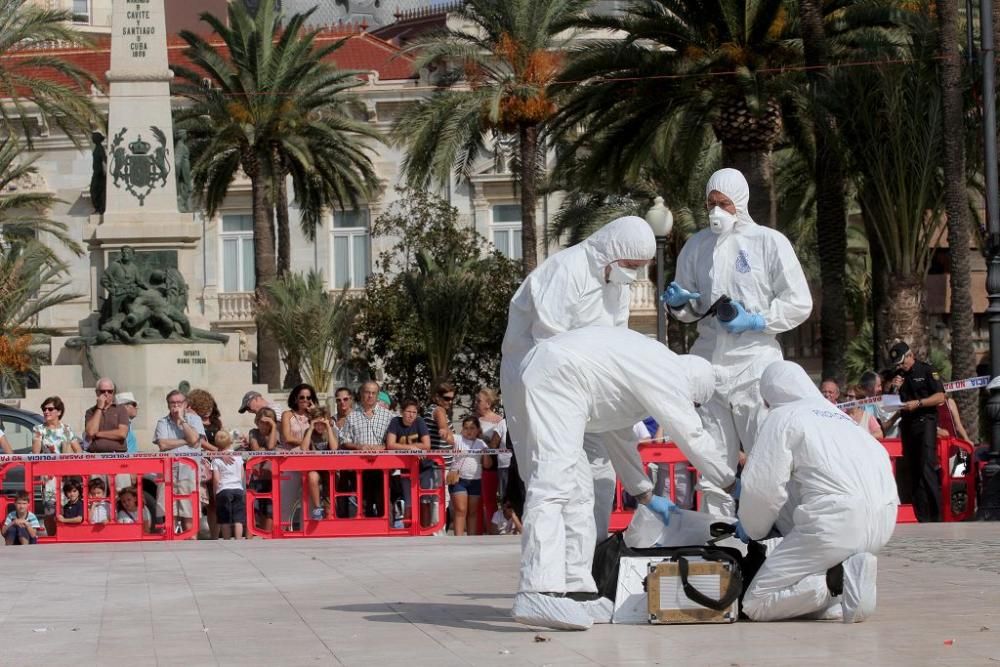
{"x":621,"y":275}
{"x":721,"y":221}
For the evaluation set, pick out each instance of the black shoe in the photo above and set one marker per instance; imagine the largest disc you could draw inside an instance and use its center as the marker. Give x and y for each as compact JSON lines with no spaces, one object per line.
{"x":581,"y":596}
{"x":835,"y":579}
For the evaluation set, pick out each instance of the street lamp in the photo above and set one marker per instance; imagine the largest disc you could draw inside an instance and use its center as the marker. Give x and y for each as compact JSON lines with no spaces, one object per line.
{"x":661,"y":220}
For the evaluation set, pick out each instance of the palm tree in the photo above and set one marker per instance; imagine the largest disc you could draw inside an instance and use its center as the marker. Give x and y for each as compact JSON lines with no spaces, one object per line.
{"x":310,"y":324}
{"x":696,"y":60}
{"x":29,"y":78}
{"x":273,"y":94}
{"x":505,"y":61}
{"x":963,"y":362}
{"x":444,"y":298}
{"x":23,"y":214}
{"x":886,"y":115}
{"x":31,"y":281}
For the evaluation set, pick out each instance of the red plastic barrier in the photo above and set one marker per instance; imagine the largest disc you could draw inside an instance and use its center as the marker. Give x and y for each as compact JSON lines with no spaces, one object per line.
{"x":350,"y":487}
{"x":958,"y":493}
{"x":33,"y":475}
{"x":665,"y":455}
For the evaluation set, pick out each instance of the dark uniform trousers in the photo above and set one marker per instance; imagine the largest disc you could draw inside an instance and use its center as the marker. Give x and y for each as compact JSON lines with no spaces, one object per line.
{"x":919,"y":437}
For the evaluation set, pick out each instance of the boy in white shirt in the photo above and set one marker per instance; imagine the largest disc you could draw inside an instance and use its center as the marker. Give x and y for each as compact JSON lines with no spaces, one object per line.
{"x":230,"y":490}
{"x":505,"y":521}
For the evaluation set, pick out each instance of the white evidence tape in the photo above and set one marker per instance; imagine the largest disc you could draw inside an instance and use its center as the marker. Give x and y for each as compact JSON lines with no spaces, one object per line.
{"x":245,"y":453}
{"x":949,"y":387}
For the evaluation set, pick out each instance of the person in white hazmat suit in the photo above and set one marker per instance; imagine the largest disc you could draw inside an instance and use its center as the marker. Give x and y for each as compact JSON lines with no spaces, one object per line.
{"x":828,"y":487}
{"x":586,"y":284}
{"x":596,"y":380}
{"x":756,"y":267}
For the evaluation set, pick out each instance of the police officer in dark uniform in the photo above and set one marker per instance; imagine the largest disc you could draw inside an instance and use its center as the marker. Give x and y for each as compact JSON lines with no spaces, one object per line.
{"x":921,"y":391}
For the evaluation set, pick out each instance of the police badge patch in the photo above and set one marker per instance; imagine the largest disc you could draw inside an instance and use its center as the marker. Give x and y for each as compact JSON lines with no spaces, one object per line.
{"x":743,"y":262}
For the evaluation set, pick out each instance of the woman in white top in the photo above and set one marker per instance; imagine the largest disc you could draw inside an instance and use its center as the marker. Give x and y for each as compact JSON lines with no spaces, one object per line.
{"x":494,"y":428}
{"x":53,"y":437}
{"x":862,"y":417}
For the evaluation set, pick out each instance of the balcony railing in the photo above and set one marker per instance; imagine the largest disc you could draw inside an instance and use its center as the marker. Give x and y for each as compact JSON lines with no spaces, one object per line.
{"x":238,"y":307}
{"x":643,"y":298}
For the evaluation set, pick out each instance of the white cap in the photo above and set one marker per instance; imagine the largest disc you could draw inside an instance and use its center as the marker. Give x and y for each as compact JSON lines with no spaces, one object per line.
{"x":125,"y":397}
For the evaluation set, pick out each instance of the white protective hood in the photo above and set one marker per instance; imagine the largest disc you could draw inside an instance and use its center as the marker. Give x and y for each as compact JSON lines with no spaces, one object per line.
{"x":733,"y":184}
{"x":629,"y":237}
{"x":785,"y":382}
{"x":700,"y":376}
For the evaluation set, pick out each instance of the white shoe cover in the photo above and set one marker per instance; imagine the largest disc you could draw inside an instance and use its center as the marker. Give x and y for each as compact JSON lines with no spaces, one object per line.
{"x":550,"y":612}
{"x":858,"y":600}
{"x":599,"y":610}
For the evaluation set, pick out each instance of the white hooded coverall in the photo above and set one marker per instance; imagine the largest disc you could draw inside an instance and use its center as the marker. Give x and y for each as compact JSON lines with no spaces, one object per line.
{"x":757,"y":266}
{"x":569,"y":291}
{"x":598,"y":380}
{"x":826,"y":484}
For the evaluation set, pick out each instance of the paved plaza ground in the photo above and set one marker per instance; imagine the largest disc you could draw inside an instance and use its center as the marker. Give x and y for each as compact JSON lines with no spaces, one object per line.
{"x":444,"y":601}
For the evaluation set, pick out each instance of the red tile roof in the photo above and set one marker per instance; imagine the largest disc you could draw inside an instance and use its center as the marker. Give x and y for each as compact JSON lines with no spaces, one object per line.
{"x":362,"y":51}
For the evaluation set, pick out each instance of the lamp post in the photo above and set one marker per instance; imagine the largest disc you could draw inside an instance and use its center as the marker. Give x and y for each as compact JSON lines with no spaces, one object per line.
{"x":989,"y":500}
{"x":661,"y":220}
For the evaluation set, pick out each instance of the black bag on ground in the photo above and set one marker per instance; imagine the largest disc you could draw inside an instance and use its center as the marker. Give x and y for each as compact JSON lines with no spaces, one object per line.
{"x":608,"y":555}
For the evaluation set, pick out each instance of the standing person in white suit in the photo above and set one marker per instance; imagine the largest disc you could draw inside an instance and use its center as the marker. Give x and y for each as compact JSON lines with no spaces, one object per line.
{"x":828,"y":487}
{"x":587,"y":284}
{"x":597,"y":380}
{"x":756,"y":267}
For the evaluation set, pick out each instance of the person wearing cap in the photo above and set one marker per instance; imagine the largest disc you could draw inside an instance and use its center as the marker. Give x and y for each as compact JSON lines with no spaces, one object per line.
{"x":254,"y":402}
{"x":920,"y":391}
{"x":126,"y":399}
{"x":756,"y":267}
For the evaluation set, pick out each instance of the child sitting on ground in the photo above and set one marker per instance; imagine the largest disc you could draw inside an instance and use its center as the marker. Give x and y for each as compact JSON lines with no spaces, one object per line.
{"x":72,"y":509}
{"x":128,"y":509}
{"x":21,"y":526}
{"x":100,"y":509}
{"x":505,"y":521}
{"x":230,"y":492}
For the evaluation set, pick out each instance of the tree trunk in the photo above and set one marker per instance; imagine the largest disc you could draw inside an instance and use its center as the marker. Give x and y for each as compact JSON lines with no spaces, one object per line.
{"x":281,"y":218}
{"x":963,"y":362}
{"x":756,"y":167}
{"x":268,"y":365}
{"x":831,"y":213}
{"x":906,"y":315}
{"x":528,"y":135}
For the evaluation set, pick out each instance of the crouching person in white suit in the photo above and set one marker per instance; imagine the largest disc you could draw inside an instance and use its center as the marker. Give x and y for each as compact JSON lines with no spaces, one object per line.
{"x":596,"y":380}
{"x":827,"y":486}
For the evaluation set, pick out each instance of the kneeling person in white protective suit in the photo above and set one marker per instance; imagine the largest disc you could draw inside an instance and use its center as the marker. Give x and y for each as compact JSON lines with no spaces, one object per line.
{"x":828,"y":487}
{"x":596,"y":380}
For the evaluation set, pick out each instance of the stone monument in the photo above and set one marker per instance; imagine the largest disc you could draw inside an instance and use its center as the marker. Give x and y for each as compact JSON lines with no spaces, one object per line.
{"x":142,"y":334}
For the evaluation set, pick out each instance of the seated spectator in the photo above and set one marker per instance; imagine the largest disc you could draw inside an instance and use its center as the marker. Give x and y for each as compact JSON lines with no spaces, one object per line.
{"x":505,"y":521}
{"x":128,"y":509}
{"x":21,"y":526}
{"x":264,"y":437}
{"x":100,"y":508}
{"x":54,"y":437}
{"x":72,"y":509}
{"x":830,"y":389}
{"x":106,"y":424}
{"x":862,"y":417}
{"x":950,"y":421}
{"x":230,"y":492}
{"x":321,"y":437}
{"x":406,"y":432}
{"x":465,"y":478}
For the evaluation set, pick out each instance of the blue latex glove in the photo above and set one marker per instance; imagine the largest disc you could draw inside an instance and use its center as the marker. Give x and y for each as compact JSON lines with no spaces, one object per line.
{"x":662,"y":507}
{"x":743,"y":321}
{"x":741,"y":534}
{"x":737,"y":490}
{"x":676,"y":296}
